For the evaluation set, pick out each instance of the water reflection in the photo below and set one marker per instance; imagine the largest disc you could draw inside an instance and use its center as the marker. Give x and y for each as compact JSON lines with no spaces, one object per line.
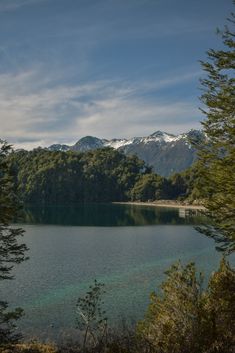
{"x":108,"y":215}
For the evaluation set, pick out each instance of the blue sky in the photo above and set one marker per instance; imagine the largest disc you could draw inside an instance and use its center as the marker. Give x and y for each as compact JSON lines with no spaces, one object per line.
{"x":107,"y":68}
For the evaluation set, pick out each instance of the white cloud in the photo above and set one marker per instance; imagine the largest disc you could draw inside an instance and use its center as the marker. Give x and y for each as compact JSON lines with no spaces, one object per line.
{"x":32,"y":114}
{"x":128,"y":118}
{"x":11,"y":5}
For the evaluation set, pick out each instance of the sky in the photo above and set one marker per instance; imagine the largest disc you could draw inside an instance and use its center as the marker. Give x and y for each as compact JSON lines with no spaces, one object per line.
{"x":105,"y":68}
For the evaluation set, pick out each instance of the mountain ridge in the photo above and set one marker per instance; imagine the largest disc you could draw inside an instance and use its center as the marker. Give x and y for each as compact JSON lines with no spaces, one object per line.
{"x":166,"y":153}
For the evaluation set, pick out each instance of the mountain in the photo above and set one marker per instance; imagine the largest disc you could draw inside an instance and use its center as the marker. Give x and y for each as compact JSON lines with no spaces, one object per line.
{"x":166,"y":153}
{"x":58,"y":147}
{"x":88,"y":143}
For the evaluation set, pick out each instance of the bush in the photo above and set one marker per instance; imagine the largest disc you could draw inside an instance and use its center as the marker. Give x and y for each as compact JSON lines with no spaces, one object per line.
{"x":30,"y":348}
{"x":188,"y":319}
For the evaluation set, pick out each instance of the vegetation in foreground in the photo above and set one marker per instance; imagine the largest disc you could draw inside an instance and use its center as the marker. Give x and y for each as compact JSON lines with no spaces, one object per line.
{"x":11,"y":251}
{"x":183,"y":318}
{"x":216,"y":163}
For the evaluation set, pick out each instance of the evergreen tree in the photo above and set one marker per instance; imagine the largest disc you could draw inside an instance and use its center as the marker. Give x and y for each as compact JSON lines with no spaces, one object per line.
{"x":56,"y":177}
{"x":185,"y":318}
{"x":219,"y":306}
{"x":11,"y":251}
{"x":217,"y":155}
{"x":171,"y":322}
{"x":150,"y":187}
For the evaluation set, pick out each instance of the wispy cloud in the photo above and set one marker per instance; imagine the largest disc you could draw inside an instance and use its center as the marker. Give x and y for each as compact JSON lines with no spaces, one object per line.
{"x":32,"y":114}
{"x":11,"y":5}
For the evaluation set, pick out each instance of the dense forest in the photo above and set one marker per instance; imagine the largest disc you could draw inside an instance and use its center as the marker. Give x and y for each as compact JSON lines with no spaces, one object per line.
{"x":102,"y":175}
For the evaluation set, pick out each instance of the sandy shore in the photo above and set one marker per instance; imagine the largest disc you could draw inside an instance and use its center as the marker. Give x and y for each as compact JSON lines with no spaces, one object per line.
{"x":163,"y":203}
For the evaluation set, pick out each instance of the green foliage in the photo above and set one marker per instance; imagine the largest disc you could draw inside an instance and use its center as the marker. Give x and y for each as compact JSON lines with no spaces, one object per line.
{"x":11,"y":251}
{"x":179,"y":185}
{"x":183,"y":185}
{"x":219,"y":306}
{"x":101,"y":175}
{"x":187,"y":318}
{"x":217,"y":156}
{"x":91,"y":318}
{"x":8,"y":324}
{"x":150,"y":187}
{"x":171,"y":321}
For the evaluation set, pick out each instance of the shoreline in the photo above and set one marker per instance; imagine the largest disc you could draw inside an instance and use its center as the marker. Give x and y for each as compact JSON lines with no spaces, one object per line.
{"x":162,"y":203}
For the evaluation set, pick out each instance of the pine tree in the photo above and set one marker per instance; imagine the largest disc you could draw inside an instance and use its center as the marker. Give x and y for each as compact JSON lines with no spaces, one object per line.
{"x":217,"y":156}
{"x":11,"y":251}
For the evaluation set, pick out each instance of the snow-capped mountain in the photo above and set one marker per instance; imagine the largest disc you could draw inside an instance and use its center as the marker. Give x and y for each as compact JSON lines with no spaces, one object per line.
{"x":166,"y":153}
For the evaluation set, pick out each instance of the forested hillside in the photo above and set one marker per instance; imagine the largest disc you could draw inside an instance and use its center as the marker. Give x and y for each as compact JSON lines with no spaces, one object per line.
{"x":102,"y":175}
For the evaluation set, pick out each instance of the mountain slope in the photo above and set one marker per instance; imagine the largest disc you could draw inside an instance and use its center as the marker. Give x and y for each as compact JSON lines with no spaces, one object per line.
{"x":88,"y":143}
{"x":166,"y":153}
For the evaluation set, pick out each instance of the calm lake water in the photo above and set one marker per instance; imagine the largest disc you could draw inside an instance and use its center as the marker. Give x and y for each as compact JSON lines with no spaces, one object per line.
{"x":126,"y":247}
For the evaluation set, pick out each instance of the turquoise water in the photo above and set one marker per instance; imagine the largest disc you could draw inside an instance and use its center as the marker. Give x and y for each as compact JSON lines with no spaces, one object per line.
{"x":128,"y":248}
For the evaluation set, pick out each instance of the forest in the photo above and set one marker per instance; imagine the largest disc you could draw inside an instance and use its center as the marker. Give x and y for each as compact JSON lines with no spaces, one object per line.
{"x":103,"y":175}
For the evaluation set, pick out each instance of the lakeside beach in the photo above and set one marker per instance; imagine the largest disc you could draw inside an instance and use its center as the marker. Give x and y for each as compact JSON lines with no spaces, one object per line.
{"x":165,"y":203}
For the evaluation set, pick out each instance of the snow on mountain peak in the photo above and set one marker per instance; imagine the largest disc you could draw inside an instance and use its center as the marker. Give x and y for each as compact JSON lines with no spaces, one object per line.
{"x":117,"y":143}
{"x":159,"y":136}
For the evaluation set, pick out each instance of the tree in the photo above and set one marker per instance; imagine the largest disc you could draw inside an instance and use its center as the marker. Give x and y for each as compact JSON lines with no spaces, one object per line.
{"x":91,"y":318}
{"x":216,"y":161}
{"x":186,"y":318}
{"x":11,"y":251}
{"x":219,"y":306}
{"x":56,"y":177}
{"x":171,"y":322}
{"x":150,"y":187}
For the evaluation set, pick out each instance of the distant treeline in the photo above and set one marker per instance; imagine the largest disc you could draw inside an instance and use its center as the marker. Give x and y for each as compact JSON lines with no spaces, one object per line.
{"x":102,"y":175}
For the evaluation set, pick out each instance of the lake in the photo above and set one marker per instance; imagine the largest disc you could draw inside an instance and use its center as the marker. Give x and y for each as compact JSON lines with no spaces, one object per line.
{"x":126,"y":247}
